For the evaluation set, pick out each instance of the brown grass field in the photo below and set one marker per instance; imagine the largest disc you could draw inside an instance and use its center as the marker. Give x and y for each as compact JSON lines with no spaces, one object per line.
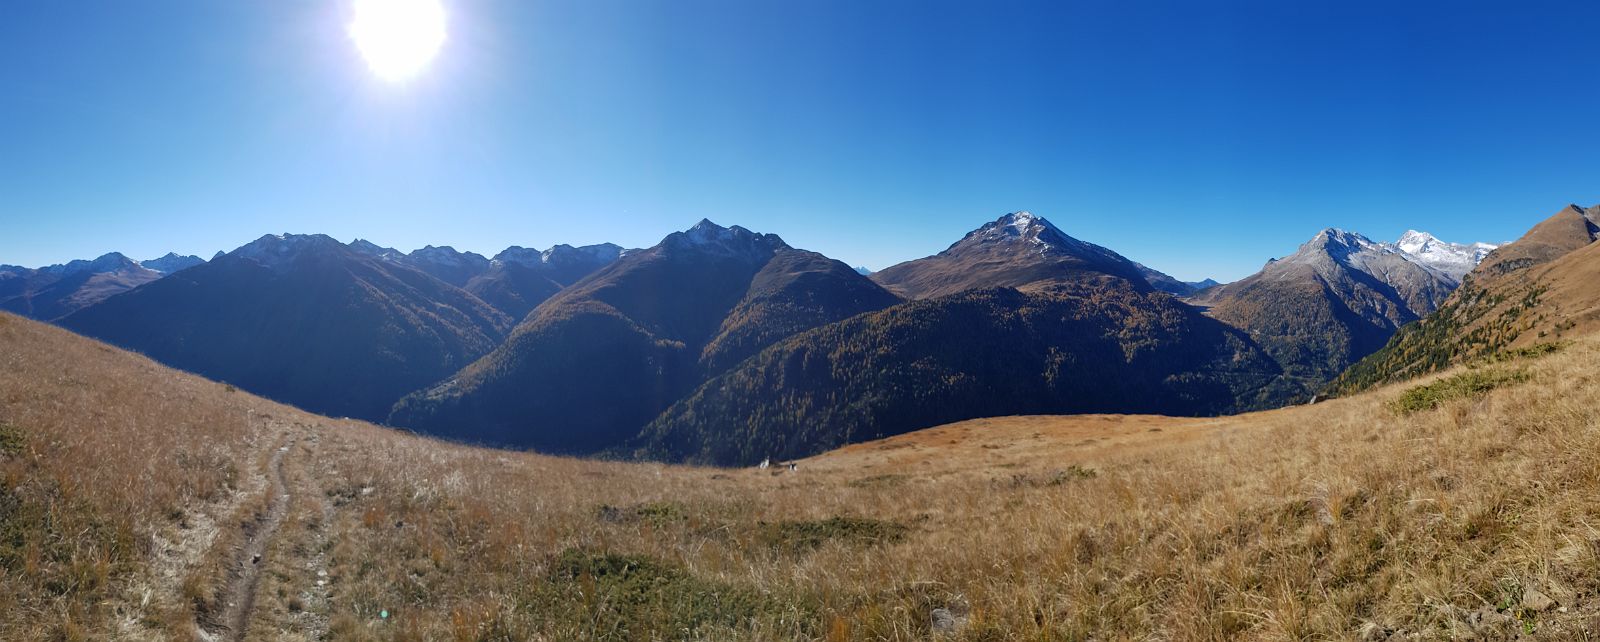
{"x":133,"y":497}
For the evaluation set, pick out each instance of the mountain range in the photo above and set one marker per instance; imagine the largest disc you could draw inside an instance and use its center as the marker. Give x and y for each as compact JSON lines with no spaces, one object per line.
{"x":337,"y":329}
{"x":1527,"y":294}
{"x":54,"y":291}
{"x":724,"y":345}
{"x":1338,"y":298}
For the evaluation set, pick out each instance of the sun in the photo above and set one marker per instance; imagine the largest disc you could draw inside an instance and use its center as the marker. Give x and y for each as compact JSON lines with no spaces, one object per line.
{"x":398,"y":38}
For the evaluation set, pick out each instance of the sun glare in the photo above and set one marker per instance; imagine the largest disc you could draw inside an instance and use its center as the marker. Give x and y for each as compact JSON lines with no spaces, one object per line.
{"x":398,"y":37}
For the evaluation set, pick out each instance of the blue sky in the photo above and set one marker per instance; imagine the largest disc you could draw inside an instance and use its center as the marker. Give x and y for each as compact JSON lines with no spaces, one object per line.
{"x":1200,"y":138}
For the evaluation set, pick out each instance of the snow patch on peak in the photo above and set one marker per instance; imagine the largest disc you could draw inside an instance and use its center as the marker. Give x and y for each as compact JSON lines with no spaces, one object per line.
{"x":369,"y":248}
{"x":446,"y":256}
{"x":170,"y":263}
{"x":277,"y":250}
{"x":709,"y":237}
{"x":1041,"y":235}
{"x":603,"y":253}
{"x":109,"y":262}
{"x":1336,"y":236}
{"x":558,"y":254}
{"x":524,"y":256}
{"x":706,"y":232}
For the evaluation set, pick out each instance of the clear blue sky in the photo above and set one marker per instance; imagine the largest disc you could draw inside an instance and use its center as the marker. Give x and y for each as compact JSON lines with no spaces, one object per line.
{"x":1200,"y":138}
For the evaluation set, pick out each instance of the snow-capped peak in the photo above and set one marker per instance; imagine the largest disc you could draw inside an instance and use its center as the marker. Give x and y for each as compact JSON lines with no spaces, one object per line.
{"x":1040,"y":235}
{"x":1453,"y":259}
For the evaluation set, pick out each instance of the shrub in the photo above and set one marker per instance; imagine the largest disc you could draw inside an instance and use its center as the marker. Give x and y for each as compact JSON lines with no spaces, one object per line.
{"x":1466,"y":384}
{"x":1531,"y":352}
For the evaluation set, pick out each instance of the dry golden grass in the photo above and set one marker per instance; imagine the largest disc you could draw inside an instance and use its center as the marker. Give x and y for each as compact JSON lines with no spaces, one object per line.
{"x":1342,"y":520}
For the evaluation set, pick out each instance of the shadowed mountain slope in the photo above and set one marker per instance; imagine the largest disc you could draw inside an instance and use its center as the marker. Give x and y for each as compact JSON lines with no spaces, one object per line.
{"x":589,"y":367}
{"x":974,"y":354}
{"x":305,"y":320}
{"x":519,"y":279}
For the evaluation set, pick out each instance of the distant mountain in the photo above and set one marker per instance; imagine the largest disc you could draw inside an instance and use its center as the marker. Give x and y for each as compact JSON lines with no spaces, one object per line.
{"x":1453,"y":259}
{"x":446,"y":264}
{"x":55,"y":291}
{"x":170,"y":263}
{"x":1540,"y":288}
{"x":363,"y":246}
{"x":303,"y":319}
{"x":973,"y":354}
{"x":1166,"y":283}
{"x":1018,"y":250}
{"x":863,"y":271}
{"x":1335,"y":300}
{"x":519,"y":279}
{"x":593,"y":364}
{"x":514,"y":281}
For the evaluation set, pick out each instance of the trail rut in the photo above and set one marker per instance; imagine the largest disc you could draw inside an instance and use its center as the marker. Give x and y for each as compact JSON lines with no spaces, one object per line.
{"x":245,"y":569}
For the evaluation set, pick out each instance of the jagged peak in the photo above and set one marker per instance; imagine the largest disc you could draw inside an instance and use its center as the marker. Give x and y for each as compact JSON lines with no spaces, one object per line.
{"x":597,"y":252}
{"x":446,"y":255}
{"x":171,"y":262}
{"x":519,"y":255}
{"x":707,"y":236}
{"x":1334,"y":235}
{"x":559,"y":253}
{"x":107,"y":262}
{"x":368,"y":247}
{"x":276,"y":250}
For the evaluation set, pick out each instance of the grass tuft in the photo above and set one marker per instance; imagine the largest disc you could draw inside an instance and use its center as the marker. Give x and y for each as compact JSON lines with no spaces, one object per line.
{"x":799,"y":536}
{"x":10,"y":440}
{"x":656,"y":513}
{"x":635,"y":597}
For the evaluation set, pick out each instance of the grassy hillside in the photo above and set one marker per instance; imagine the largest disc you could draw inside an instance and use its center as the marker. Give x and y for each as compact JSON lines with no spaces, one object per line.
{"x":134,"y":499}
